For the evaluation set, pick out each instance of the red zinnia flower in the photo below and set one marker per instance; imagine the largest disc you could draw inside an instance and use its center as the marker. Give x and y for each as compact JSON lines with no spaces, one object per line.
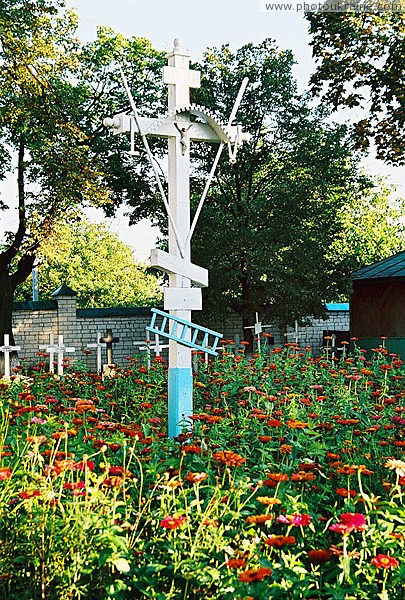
{"x":383,"y":561}
{"x":172,"y":522}
{"x":318,"y":557}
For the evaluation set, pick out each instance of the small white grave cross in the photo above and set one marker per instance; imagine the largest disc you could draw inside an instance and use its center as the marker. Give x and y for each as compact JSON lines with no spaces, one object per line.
{"x":258,"y":329}
{"x":99,"y":346}
{"x":59,"y":349}
{"x":157,"y":347}
{"x":296,"y":334}
{"x":7,"y":349}
{"x":50,"y":348}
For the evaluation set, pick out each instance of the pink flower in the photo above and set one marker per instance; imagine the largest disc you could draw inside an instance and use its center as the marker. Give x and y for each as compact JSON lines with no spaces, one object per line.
{"x":172,"y":522}
{"x":349,"y":522}
{"x":303,"y":520}
{"x":296,"y":519}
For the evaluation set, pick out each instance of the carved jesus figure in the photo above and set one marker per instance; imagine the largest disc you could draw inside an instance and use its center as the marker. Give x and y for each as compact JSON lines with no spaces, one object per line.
{"x":183,"y":137}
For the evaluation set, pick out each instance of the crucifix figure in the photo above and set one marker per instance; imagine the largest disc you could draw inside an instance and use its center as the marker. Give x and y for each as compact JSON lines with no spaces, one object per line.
{"x":183,"y":137}
{"x":7,"y":349}
{"x":109,"y":340}
{"x":180,"y":298}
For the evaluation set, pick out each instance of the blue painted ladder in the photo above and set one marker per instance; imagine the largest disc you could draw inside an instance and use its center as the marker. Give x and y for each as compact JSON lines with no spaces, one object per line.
{"x":188,"y":332}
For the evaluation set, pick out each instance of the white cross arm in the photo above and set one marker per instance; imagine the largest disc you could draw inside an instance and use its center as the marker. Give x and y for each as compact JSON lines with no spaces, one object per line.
{"x":198,"y":132}
{"x":177,"y":76}
{"x":170,"y":263}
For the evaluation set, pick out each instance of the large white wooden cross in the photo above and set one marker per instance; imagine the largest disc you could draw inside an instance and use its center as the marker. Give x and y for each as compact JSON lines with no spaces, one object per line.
{"x":180,"y":298}
{"x":7,"y":349}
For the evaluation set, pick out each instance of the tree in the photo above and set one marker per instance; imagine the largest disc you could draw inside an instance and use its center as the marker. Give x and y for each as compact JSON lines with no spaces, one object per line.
{"x":271,"y":218}
{"x":54,"y":94}
{"x":372,"y":228}
{"x":96,"y":264}
{"x":361,"y":63}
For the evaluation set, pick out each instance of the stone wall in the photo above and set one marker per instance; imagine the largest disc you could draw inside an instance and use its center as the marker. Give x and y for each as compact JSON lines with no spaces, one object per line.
{"x":33,"y":322}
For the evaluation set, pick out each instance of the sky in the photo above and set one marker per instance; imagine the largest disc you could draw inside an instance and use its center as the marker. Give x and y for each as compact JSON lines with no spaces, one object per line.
{"x":200,"y":24}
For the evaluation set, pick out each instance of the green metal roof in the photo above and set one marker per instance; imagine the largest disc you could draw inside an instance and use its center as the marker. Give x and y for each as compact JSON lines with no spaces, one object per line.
{"x":393,"y":266}
{"x":63,"y":290}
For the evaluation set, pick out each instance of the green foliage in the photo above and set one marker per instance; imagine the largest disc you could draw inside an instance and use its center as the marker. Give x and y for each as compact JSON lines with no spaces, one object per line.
{"x":372,"y":228}
{"x":96,"y":264}
{"x":361,"y":63}
{"x":54,"y":95}
{"x":270,"y":219}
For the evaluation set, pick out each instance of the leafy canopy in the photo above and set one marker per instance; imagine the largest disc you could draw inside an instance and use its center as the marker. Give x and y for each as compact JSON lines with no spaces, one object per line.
{"x":361,"y":63}
{"x":96,"y":264}
{"x":267,"y":227}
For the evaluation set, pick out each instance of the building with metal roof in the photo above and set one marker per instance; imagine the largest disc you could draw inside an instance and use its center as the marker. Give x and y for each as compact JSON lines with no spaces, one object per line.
{"x":377,"y":305}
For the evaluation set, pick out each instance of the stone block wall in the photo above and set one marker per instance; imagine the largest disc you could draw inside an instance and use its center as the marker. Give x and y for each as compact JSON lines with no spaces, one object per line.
{"x":33,"y":322}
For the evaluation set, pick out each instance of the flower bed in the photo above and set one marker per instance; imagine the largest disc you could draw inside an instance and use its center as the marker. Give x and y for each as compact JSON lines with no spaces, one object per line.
{"x":289,"y":485}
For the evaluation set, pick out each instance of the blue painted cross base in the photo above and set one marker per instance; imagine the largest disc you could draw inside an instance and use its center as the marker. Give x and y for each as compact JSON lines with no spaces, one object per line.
{"x":184,"y":332}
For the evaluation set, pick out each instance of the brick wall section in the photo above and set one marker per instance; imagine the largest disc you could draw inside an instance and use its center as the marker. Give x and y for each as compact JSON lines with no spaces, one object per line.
{"x":34,"y":321}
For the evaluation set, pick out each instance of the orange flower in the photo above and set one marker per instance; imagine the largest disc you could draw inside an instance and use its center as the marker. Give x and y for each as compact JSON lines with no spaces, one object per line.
{"x":258,"y":519}
{"x":295,"y":424}
{"x":345,"y":493}
{"x":264,"y":438}
{"x":278,"y":541}
{"x":255,"y":574}
{"x":303,"y":476}
{"x":192,"y":449}
{"x":236,"y":563}
{"x":230,"y":459}
{"x":196,"y":477}
{"x":268,"y":500}
{"x":383,"y":561}
{"x":285,"y":449}
{"x":278,"y":476}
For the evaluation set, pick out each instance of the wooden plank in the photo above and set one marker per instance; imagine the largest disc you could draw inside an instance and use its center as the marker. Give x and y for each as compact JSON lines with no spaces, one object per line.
{"x":182,"y":298}
{"x":169,"y":263}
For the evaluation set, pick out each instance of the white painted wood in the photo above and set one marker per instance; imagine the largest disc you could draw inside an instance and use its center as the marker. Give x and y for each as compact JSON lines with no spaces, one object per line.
{"x":182,"y":299}
{"x":180,"y":75}
{"x":175,"y":264}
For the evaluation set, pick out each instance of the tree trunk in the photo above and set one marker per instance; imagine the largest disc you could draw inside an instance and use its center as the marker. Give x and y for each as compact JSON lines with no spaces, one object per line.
{"x":6,"y":313}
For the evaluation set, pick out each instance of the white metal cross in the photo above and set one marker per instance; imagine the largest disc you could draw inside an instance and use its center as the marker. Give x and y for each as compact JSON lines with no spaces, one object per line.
{"x":157,"y":347}
{"x":99,"y":347}
{"x":258,"y":329}
{"x":59,"y":349}
{"x":7,"y":349}
{"x":296,"y":334}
